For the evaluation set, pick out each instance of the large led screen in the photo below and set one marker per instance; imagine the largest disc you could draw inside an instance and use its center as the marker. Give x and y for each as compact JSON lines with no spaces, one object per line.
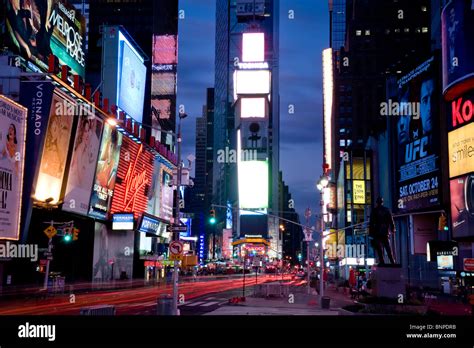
{"x":253,"y":184}
{"x":134,"y":175}
{"x":417,"y":137}
{"x":166,"y":201}
{"x":461,"y":150}
{"x":252,"y":81}
{"x":40,"y":28}
{"x":106,"y":172}
{"x":163,"y":83}
{"x":83,"y":163}
{"x":164,"y":49}
{"x":12,"y":158}
{"x":253,"y":47}
{"x":132,"y":77}
{"x":253,"y":108}
{"x":55,"y":150}
{"x":160,"y":110}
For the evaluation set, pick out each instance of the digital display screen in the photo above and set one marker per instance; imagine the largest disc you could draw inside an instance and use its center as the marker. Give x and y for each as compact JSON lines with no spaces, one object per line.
{"x":153,"y":225}
{"x":122,"y":221}
{"x":445,"y":262}
{"x":253,"y":184}
{"x":132,"y":79}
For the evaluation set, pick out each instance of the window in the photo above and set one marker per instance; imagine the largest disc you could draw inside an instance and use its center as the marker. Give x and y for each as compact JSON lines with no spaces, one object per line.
{"x":406,"y":30}
{"x":367,"y":32}
{"x":397,"y":30}
{"x":424,"y":29}
{"x":423,"y":8}
{"x":358,"y":32}
{"x":387,"y":31}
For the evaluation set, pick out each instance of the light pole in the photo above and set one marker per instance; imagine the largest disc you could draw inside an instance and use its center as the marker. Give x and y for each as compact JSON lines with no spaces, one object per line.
{"x":322,"y":185}
{"x":175,"y":235}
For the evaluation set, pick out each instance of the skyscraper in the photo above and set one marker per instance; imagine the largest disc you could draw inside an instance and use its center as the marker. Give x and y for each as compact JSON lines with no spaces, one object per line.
{"x":234,"y":19}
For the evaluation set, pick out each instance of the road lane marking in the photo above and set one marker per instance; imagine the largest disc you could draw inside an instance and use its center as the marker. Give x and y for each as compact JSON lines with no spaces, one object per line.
{"x":210,"y":304}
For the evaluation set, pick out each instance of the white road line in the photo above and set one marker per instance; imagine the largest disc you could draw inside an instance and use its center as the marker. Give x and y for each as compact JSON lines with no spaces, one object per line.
{"x":195,"y":303}
{"x":210,"y":304}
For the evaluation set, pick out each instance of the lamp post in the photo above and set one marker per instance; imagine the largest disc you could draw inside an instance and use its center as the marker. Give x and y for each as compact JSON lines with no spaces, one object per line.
{"x":322,"y":185}
{"x":175,"y":235}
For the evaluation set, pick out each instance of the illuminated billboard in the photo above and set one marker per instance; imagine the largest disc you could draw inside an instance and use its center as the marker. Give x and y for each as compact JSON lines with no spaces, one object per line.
{"x":461,"y":150}
{"x":253,"y":108}
{"x":163,"y":83}
{"x":462,"y":206}
{"x":253,"y":184}
{"x":251,"y":82}
{"x":358,"y":188}
{"x":417,"y":150}
{"x":55,"y":152}
{"x":122,"y":222}
{"x":123,"y":71}
{"x":12,"y":160}
{"x":83,"y":162}
{"x":160,"y":110}
{"x":134,"y":175}
{"x":40,"y":28}
{"x":106,"y":172}
{"x":166,"y":199}
{"x":328,"y":101}
{"x":164,"y":49}
{"x":457,"y":29}
{"x":253,"y":47}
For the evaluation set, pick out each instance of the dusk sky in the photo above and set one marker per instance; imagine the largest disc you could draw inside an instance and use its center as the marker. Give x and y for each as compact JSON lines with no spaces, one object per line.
{"x":302,"y":40}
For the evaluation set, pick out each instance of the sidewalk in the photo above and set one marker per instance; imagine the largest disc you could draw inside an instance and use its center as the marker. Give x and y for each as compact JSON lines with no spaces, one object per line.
{"x":300,"y":304}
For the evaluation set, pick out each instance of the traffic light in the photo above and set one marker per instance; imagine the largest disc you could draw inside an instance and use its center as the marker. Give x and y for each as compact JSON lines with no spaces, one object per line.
{"x":75,"y":234}
{"x":442,"y":223}
{"x":67,"y":238}
{"x":212,"y":217}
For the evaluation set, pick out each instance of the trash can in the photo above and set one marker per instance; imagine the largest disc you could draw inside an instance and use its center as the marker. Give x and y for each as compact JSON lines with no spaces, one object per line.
{"x":164,"y":305}
{"x":325,"y":302}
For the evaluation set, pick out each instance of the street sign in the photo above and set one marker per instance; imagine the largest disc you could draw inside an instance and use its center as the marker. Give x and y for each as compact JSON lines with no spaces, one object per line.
{"x":469,"y":265}
{"x":50,"y":232}
{"x":361,"y":231}
{"x":308,"y":235}
{"x":176,"y":251}
{"x":170,"y":228}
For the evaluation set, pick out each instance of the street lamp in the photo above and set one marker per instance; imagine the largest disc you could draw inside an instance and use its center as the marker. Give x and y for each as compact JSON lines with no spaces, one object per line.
{"x":322,"y":185}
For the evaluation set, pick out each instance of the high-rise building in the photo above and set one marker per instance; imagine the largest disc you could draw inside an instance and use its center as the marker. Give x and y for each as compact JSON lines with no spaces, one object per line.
{"x":243,"y":28}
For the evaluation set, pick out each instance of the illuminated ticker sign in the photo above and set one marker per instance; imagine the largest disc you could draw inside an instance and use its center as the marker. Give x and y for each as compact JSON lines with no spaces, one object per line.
{"x":328,"y":101}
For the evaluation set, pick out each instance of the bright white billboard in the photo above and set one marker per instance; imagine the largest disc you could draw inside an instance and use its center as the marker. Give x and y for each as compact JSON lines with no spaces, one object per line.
{"x":251,"y":82}
{"x":253,"y":47}
{"x":252,"y":108}
{"x":253,"y":184}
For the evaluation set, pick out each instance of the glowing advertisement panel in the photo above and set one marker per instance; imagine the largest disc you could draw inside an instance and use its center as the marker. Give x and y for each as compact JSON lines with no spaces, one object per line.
{"x":253,"y":108}
{"x":122,"y":221}
{"x":457,"y":31}
{"x":134,"y":175}
{"x":164,"y":49}
{"x":83,"y":163}
{"x":253,"y":184}
{"x":252,"y":81}
{"x":163,"y":83}
{"x":55,"y":151}
{"x":12,"y":160}
{"x":358,"y":188}
{"x":462,"y":206}
{"x":132,"y":80}
{"x":417,"y":140}
{"x":40,"y":28}
{"x":461,"y":150}
{"x":106,"y":172}
{"x":253,"y":47}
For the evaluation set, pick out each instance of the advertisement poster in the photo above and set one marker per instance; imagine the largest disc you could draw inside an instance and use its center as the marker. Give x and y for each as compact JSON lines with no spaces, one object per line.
{"x":134,"y":175}
{"x":166,"y":206}
{"x":425,"y":227}
{"x":38,"y":28}
{"x":106,"y":172}
{"x":132,"y":82}
{"x":83,"y":163}
{"x":154,"y":192}
{"x":55,"y":151}
{"x":462,"y":206}
{"x":461,"y":151}
{"x":12,"y":151}
{"x":417,"y":161}
{"x":113,"y":254}
{"x":457,"y":23}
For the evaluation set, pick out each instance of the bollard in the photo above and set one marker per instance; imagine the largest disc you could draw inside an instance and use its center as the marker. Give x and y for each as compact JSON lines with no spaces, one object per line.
{"x":325,"y":302}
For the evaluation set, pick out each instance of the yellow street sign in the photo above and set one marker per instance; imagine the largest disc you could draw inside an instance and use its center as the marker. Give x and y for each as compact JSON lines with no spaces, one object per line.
{"x":50,"y":232}
{"x":175,"y":257}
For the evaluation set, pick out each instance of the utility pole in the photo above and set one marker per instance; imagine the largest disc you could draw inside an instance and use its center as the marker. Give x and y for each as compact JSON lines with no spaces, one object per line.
{"x":175,"y":235}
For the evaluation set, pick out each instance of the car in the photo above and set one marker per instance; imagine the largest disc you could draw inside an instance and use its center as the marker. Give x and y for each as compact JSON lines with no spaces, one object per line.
{"x":301,"y":274}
